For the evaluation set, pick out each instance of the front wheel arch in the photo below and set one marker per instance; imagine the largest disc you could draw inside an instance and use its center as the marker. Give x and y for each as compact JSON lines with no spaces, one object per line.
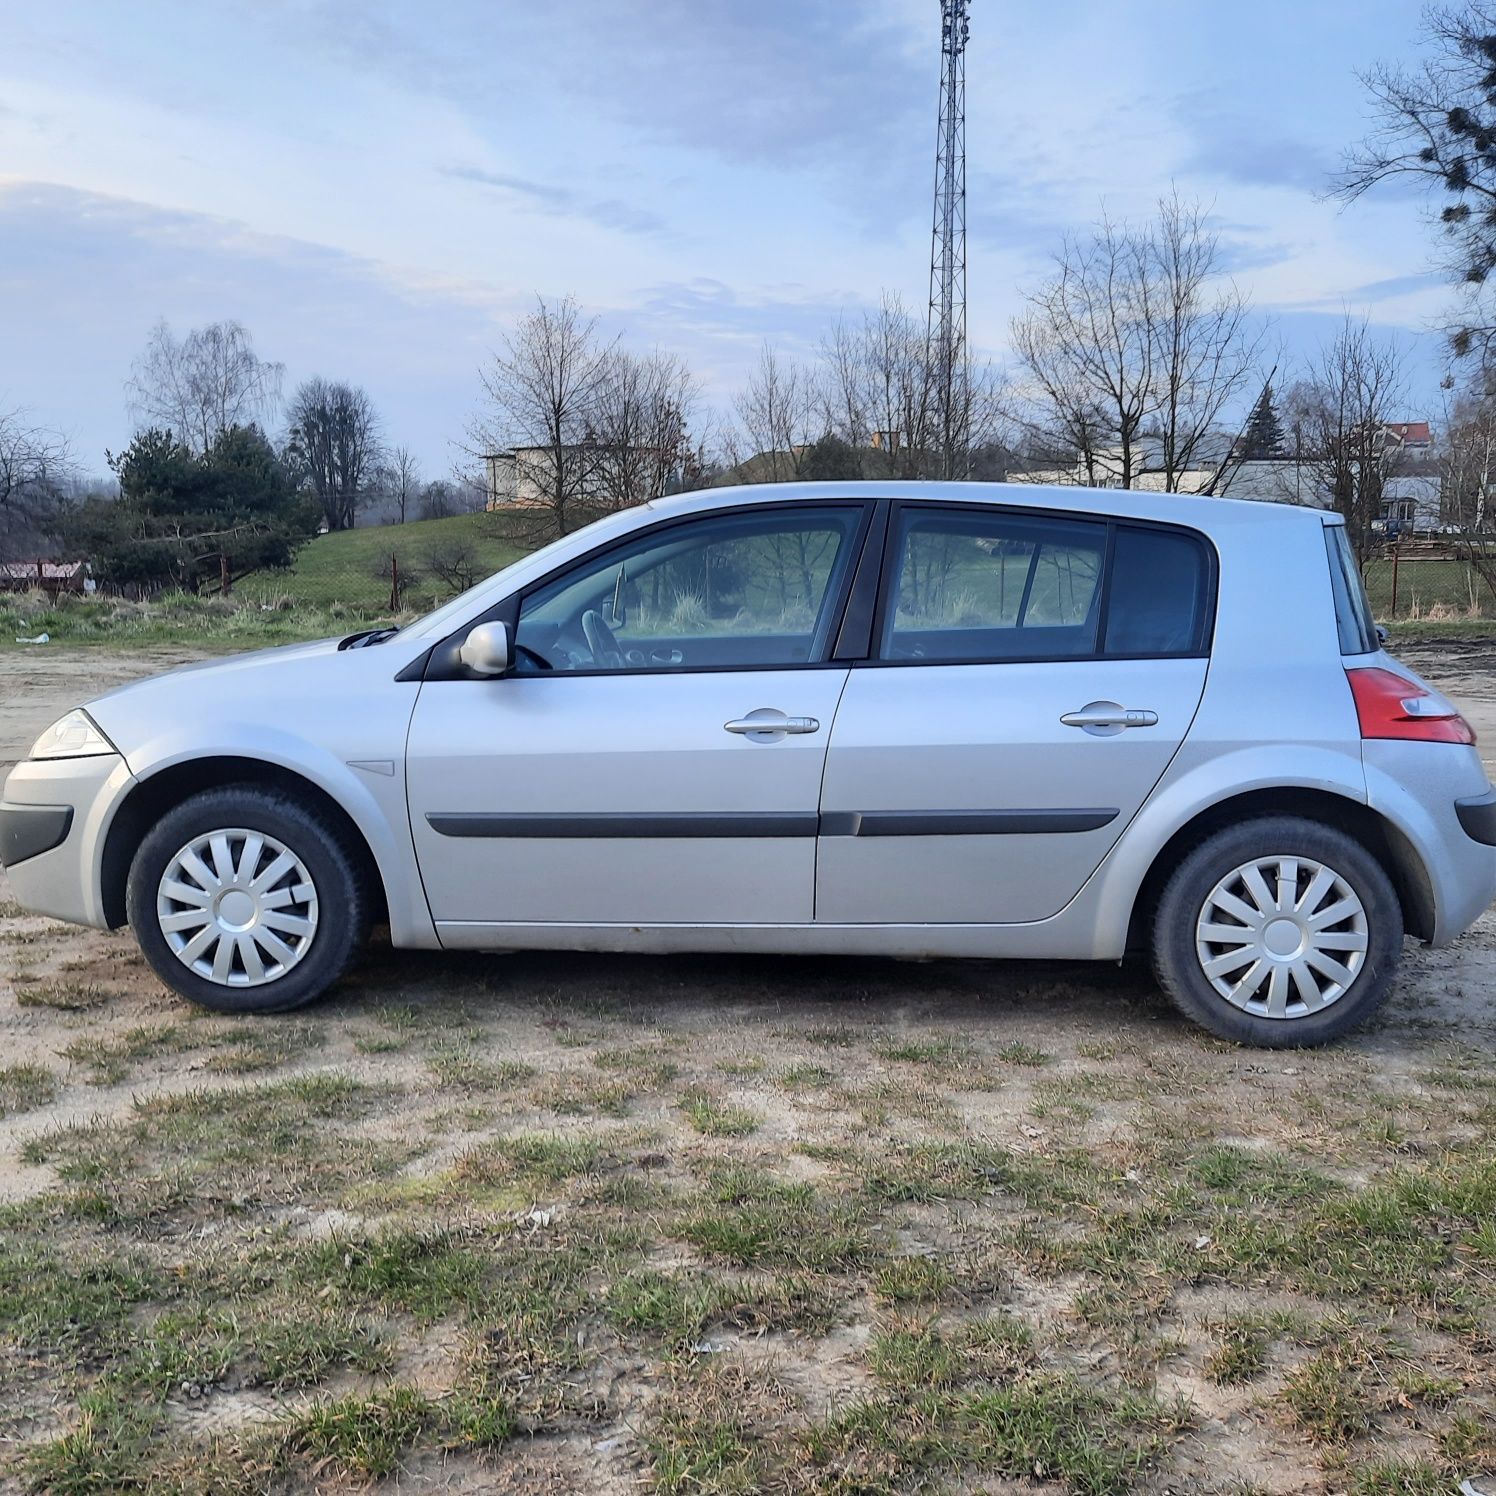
{"x":149,"y":800}
{"x":1383,"y":840}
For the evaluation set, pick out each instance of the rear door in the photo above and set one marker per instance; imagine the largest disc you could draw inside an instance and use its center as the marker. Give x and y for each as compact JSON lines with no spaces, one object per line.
{"x":1032,"y":676}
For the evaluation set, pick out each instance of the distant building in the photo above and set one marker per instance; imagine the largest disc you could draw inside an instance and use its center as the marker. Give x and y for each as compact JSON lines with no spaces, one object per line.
{"x":1412,"y":436}
{"x":524,"y":477}
{"x":1412,"y":491}
{"x":46,"y":576}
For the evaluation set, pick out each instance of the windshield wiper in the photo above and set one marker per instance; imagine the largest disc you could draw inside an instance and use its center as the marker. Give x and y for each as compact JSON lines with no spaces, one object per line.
{"x":365,"y":637}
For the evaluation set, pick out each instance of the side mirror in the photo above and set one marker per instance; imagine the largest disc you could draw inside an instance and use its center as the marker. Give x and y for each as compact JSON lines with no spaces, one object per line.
{"x":486,"y":650}
{"x":1381,"y":633}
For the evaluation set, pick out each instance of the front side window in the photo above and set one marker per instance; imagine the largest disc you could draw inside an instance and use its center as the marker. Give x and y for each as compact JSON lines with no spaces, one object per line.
{"x":727,"y":591}
{"x":967,"y":586}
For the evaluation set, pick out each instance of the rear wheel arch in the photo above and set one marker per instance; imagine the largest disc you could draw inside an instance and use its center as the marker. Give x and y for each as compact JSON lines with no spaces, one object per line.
{"x":1379,"y":836}
{"x":149,"y":800}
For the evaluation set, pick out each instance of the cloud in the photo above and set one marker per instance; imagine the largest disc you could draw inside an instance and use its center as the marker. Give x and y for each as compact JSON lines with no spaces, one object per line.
{"x":1234,"y":148}
{"x":85,"y":276}
{"x":1397,"y":285}
{"x":564,"y":202}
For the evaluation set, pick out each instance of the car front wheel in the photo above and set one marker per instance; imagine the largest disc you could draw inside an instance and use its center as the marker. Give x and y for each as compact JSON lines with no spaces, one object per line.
{"x":1278,"y":932}
{"x":247,"y":900}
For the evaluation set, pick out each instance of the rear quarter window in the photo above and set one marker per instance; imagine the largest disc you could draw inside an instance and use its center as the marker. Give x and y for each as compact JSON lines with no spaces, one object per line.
{"x":1353,"y":620}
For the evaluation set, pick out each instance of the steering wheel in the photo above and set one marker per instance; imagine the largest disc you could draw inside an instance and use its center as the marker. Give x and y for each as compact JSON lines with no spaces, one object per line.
{"x":607,"y":654}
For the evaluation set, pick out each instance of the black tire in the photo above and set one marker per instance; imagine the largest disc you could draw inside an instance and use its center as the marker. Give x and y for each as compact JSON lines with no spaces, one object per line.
{"x":1178,"y":965}
{"x":335,"y":867}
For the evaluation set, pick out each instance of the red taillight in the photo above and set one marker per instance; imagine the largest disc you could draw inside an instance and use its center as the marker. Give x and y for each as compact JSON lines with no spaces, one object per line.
{"x":1392,"y":706}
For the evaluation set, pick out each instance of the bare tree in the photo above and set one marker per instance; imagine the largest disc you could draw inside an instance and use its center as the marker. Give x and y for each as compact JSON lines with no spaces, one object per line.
{"x":400,"y":479}
{"x":334,"y":445}
{"x":35,"y":468}
{"x":780,"y":412}
{"x":639,"y":420}
{"x":439,"y":500}
{"x":1340,"y":419}
{"x":1467,"y":473}
{"x":542,"y":389}
{"x":1092,"y":326}
{"x":456,"y":565}
{"x":201,"y":385}
{"x":1204,"y":356}
{"x":1435,"y":125}
{"x":879,"y":389}
{"x":1133,"y":353}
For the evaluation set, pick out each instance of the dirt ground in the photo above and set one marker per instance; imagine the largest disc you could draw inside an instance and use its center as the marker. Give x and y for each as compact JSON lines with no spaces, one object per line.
{"x":587,"y":1223}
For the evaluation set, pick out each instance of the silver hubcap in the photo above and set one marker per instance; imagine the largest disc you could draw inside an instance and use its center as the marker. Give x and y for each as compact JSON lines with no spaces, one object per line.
{"x":1282,"y":937}
{"x":237,"y":907}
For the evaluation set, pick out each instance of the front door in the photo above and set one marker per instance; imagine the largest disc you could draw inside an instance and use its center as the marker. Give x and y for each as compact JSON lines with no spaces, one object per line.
{"x":656,"y":755}
{"x":1033,"y":677}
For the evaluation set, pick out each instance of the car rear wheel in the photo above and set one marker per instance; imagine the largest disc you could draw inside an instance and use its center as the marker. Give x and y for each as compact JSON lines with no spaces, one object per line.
{"x":1279,"y":932}
{"x":246,"y":900}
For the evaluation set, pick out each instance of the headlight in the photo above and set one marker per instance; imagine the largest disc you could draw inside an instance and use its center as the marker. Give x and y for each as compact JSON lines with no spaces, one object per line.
{"x":72,"y":736}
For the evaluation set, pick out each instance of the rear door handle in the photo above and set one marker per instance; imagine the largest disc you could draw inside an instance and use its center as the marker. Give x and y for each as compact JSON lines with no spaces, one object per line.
{"x":762,"y":726}
{"x":1104,"y":718}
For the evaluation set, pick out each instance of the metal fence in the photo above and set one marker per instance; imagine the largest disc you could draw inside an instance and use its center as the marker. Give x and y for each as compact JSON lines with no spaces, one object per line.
{"x":1421,"y":581}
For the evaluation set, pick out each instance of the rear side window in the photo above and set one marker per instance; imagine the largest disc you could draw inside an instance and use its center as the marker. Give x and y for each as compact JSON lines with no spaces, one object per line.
{"x":1160,"y":589}
{"x":1358,"y":631}
{"x":969,"y":586}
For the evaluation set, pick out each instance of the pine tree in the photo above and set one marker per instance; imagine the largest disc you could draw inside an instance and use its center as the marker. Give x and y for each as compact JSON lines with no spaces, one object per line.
{"x":1263,"y":439}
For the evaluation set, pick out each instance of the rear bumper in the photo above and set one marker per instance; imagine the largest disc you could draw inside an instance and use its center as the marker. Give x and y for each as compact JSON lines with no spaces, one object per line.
{"x":1477,"y":816}
{"x":52,"y":825}
{"x":1435,"y":793}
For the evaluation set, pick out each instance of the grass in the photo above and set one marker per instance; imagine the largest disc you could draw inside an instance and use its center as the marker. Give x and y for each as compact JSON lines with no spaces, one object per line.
{"x":678,"y":1308}
{"x":25,"y":1087}
{"x":819,"y":1257}
{"x":176,"y":1155}
{"x":358,"y":1437}
{"x":1425,"y":584}
{"x":106,"y":1449}
{"x":714,"y":1118}
{"x":108,"y":1060}
{"x":459,"y":1070}
{"x":1327,"y":1397}
{"x":941,"y":1053}
{"x":909,"y":1280}
{"x":534,"y":1158}
{"x":65,"y":997}
{"x":351,"y":566}
{"x":1240,"y":1354}
{"x":754,"y":1220}
{"x":301,"y":1349}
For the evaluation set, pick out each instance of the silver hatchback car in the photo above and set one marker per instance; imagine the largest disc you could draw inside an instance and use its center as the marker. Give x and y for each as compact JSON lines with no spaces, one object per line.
{"x":911,"y":720}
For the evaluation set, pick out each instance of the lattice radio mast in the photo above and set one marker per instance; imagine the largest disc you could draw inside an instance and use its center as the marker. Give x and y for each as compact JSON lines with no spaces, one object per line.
{"x":947,"y":325}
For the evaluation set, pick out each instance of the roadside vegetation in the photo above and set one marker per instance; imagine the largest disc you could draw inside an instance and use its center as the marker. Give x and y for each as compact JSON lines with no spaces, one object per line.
{"x":341,"y":582}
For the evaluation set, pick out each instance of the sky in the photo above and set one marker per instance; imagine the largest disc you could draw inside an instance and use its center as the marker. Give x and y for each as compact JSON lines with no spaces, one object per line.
{"x":378,"y":189}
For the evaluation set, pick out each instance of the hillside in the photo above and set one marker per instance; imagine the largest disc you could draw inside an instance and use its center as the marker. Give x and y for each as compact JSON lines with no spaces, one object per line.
{"x":352,"y":567}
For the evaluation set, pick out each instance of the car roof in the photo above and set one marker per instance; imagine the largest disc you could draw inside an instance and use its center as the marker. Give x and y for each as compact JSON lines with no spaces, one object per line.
{"x":1207,"y":514}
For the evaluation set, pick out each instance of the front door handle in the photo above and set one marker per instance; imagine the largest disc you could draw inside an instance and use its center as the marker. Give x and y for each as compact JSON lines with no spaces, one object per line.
{"x":765,"y":723}
{"x":1105,"y":718}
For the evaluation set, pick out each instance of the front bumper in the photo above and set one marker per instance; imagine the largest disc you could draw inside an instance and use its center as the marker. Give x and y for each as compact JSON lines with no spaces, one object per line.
{"x":61,"y":874}
{"x":27,"y":830}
